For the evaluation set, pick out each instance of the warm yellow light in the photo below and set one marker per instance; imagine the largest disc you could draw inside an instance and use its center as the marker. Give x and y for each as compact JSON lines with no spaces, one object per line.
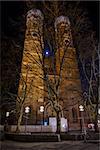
{"x":27,"y":109}
{"x":41,"y":108}
{"x":81,"y":108}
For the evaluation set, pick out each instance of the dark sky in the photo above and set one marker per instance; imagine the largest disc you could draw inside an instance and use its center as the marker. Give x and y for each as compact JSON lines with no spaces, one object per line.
{"x":16,"y":8}
{"x":93,"y":10}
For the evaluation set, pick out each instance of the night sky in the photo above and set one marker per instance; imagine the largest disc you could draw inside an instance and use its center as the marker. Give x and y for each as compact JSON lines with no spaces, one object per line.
{"x":16,"y":8}
{"x":93,"y":10}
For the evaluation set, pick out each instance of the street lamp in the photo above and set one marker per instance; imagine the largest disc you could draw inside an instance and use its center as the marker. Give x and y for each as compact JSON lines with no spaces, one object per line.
{"x":7,"y":114}
{"x":6,"y":121}
{"x":27,"y":110}
{"x":41,"y":108}
{"x":42,"y":111}
{"x":81,"y":108}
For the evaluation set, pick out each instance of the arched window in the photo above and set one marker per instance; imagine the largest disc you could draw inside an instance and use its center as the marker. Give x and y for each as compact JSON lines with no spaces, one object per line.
{"x":74,"y":115}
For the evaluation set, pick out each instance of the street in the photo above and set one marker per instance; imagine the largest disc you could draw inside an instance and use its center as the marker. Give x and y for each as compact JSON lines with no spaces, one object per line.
{"x":64,"y":145}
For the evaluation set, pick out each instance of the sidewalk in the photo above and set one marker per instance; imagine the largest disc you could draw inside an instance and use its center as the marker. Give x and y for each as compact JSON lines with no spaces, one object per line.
{"x":64,"y":145}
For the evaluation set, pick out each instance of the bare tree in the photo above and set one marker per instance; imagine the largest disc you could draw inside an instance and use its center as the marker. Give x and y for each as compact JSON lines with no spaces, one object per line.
{"x":79,"y":21}
{"x":90,"y":67}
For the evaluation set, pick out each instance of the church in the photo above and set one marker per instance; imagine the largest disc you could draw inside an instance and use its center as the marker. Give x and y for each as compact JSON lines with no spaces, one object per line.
{"x":50,"y":78}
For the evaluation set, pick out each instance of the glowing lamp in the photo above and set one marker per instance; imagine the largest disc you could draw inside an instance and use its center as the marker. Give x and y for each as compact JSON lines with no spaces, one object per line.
{"x":41,"y":108}
{"x":27,"y":109}
{"x":47,"y":53}
{"x":81,"y":108}
{"x":7,"y":114}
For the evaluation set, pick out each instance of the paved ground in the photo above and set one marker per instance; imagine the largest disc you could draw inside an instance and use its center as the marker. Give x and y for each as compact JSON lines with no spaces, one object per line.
{"x":64,"y":145}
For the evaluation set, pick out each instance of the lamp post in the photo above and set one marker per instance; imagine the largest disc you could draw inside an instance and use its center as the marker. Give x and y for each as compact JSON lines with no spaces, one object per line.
{"x":42,"y":111}
{"x":81,"y":108}
{"x":7,"y":114}
{"x":81,"y":117}
{"x":6,"y":122}
{"x":27,"y":109}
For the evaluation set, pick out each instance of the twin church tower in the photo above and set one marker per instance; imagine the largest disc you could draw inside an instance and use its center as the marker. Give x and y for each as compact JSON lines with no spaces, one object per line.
{"x":31,"y":80}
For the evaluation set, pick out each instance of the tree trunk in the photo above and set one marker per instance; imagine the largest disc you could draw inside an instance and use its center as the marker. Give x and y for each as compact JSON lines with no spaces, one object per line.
{"x":58,"y":123}
{"x":19,"y":119}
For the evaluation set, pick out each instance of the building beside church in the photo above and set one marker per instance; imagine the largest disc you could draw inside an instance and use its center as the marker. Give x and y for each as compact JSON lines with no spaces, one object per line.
{"x":32,"y":74}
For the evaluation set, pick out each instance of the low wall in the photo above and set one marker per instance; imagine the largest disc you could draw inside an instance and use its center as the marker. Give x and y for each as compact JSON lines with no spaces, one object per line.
{"x":32,"y":128}
{"x":47,"y":137}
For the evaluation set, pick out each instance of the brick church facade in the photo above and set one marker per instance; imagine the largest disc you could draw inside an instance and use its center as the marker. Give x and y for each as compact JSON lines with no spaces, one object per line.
{"x":32,"y":73}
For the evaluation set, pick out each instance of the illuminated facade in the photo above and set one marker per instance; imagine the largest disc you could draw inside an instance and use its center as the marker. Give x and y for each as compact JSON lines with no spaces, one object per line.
{"x":31,"y":80}
{"x":32,"y":71}
{"x":70,"y":90}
